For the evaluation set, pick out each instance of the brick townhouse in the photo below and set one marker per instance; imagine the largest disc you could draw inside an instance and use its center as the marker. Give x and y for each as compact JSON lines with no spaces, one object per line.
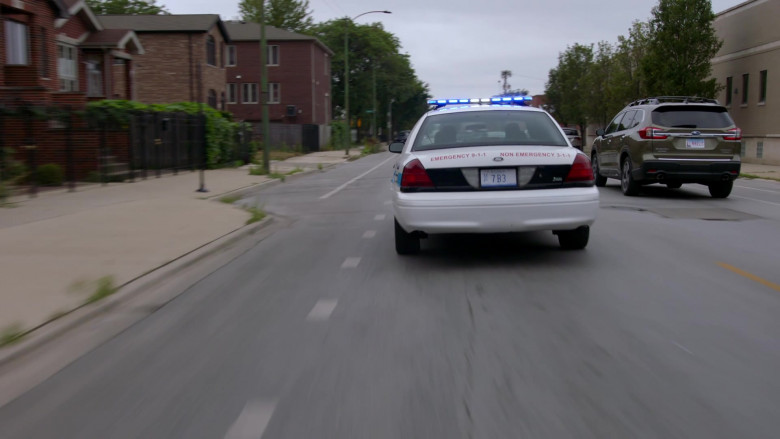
{"x":183,"y":60}
{"x":56,"y":54}
{"x":299,"y":78}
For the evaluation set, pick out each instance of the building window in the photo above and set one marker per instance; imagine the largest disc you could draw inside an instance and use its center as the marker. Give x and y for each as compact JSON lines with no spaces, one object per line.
{"x":95,"y":77}
{"x":232,"y":93}
{"x":16,"y":44}
{"x":760,"y":150}
{"x":729,"y":90}
{"x":212,"y":98}
{"x":249,"y":93}
{"x":273,"y":55}
{"x":745,"y":84}
{"x":44,"y":54}
{"x":762,"y":87}
{"x":67,"y":67}
{"x":231,"y":56}
{"x":211,"y":51}
{"x":274,"y":93}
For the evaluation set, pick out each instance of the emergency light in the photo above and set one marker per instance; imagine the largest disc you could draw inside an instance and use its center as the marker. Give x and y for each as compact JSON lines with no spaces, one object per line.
{"x":499,"y":100}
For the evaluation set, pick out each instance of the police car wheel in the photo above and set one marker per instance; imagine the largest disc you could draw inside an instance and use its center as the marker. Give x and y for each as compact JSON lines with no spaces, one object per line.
{"x":405,"y":243}
{"x":575,"y":239}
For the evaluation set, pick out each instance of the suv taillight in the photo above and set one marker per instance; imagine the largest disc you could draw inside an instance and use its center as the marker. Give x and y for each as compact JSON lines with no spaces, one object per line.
{"x":736,"y":134}
{"x":581,"y":170}
{"x":652,"y":133}
{"x":415,"y":177}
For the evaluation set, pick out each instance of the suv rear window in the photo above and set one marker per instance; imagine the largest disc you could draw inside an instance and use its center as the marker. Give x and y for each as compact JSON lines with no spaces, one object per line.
{"x":690,"y":116}
{"x":487,"y":128}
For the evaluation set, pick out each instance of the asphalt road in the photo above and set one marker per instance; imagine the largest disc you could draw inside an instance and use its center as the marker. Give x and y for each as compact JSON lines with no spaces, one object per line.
{"x":666,"y":326}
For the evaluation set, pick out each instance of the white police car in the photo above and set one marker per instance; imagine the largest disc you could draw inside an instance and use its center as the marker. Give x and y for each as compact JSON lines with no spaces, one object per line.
{"x":490,"y":166}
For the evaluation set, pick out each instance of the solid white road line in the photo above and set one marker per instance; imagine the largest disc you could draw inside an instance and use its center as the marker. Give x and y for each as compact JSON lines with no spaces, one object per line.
{"x":757,"y":189}
{"x":338,"y":189}
{"x":757,"y":201}
{"x":253,"y":420}
{"x":351,"y":263}
{"x":380,"y":217}
{"x":322,"y":310}
{"x":369,"y":234}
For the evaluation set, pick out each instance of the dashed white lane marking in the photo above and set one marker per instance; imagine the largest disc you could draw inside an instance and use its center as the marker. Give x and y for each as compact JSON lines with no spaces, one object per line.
{"x":380,"y":217}
{"x":682,"y":347}
{"x":338,"y":189}
{"x":253,"y":420}
{"x":369,"y":234}
{"x":350,"y":263}
{"x":322,"y":310}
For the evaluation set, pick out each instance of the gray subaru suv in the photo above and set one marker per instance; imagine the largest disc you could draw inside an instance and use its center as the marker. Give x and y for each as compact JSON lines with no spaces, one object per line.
{"x":670,"y":140}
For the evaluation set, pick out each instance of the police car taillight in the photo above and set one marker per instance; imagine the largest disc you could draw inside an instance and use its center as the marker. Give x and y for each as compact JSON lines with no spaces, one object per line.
{"x":414,"y":176}
{"x":581,"y":170}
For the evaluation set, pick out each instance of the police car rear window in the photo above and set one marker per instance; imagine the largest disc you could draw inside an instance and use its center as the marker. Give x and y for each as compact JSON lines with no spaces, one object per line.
{"x":487,"y":128}
{"x":691,"y":116}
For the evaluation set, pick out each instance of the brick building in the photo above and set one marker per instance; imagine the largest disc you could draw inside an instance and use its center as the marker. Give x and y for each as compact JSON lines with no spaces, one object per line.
{"x":55,"y":55}
{"x":184,"y":58}
{"x":299,"y":79}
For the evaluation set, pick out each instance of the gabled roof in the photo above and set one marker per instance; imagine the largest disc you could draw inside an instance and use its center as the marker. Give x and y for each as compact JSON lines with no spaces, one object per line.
{"x":194,"y":23}
{"x":248,"y":31}
{"x":114,"y":38}
{"x":80,"y":7}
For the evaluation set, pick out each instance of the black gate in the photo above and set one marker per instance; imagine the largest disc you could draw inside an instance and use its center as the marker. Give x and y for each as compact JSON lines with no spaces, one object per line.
{"x":166,"y":142}
{"x":310,"y":140}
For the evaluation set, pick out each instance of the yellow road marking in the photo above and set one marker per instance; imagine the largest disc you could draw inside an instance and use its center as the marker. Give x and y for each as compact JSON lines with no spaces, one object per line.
{"x":750,"y":276}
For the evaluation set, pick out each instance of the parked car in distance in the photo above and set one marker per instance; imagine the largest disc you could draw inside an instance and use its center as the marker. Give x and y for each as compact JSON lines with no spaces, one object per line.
{"x":401,"y":136}
{"x":573,"y":134}
{"x":672,"y":140}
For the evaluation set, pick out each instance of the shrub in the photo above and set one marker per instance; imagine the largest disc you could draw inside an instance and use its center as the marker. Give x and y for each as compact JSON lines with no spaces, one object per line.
{"x":13,"y":169}
{"x":49,"y":175}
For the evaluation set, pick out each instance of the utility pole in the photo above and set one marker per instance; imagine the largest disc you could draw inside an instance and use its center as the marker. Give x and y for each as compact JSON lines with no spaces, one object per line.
{"x":373,"y":104}
{"x":264,"y":90}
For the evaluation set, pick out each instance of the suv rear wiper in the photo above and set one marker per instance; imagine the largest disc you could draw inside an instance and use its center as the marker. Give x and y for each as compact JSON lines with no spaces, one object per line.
{"x":683,"y":126}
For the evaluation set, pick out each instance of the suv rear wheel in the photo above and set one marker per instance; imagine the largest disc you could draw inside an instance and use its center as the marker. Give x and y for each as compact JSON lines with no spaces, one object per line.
{"x":405,"y":243}
{"x":721,"y":189}
{"x":594,"y":163}
{"x":627,"y":183}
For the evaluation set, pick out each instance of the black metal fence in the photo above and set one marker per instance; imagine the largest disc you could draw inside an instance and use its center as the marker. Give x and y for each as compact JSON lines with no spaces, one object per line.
{"x":96,"y":145}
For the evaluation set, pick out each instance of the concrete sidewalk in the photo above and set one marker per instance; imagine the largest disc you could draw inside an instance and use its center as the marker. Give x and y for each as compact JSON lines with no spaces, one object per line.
{"x":55,"y":247}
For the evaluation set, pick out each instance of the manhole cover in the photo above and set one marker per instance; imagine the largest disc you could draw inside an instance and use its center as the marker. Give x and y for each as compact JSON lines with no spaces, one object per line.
{"x":709,"y":214}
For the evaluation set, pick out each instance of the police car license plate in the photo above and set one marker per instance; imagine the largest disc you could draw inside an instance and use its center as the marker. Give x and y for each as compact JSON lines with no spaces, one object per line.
{"x":498,"y":177}
{"x":694,"y":143}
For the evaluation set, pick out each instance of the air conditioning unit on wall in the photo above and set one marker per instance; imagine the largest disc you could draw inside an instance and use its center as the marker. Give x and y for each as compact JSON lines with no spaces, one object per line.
{"x":292,"y":111}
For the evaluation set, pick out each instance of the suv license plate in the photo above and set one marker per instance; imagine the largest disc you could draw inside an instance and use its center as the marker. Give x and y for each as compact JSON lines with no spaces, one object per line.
{"x":498,"y":177}
{"x":694,"y":143}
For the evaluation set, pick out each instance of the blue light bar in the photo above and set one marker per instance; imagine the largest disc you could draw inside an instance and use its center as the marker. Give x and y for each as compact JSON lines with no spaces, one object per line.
{"x":500,"y":100}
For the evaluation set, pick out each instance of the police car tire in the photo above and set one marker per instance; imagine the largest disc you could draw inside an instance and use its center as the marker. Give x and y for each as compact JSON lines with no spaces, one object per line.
{"x":405,"y":243}
{"x":575,"y":239}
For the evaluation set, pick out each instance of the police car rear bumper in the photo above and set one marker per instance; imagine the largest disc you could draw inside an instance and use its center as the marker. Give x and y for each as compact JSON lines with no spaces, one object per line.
{"x":496,"y":212}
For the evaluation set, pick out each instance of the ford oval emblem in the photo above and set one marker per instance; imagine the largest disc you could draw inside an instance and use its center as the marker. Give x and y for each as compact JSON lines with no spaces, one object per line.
{"x":498,"y":159}
{"x":696,"y":133}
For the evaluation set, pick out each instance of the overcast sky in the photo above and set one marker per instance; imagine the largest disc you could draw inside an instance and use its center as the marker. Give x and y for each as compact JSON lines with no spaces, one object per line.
{"x":460,"y":47}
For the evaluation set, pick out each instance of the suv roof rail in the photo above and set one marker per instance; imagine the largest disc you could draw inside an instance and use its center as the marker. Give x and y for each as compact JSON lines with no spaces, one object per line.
{"x":683,"y":99}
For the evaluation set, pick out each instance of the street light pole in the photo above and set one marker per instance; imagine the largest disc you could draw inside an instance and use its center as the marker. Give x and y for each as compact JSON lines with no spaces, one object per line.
{"x":347,"y":138}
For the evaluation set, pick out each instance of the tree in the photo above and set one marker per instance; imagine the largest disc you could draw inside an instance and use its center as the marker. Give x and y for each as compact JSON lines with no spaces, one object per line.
{"x":291,"y":15}
{"x":126,"y":7}
{"x":568,"y":89}
{"x":373,"y":51}
{"x":505,"y":75}
{"x":682,"y":43}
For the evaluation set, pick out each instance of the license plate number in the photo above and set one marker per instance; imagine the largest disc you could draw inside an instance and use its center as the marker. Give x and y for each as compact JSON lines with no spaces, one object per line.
{"x":694,"y":143}
{"x":498,"y":177}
